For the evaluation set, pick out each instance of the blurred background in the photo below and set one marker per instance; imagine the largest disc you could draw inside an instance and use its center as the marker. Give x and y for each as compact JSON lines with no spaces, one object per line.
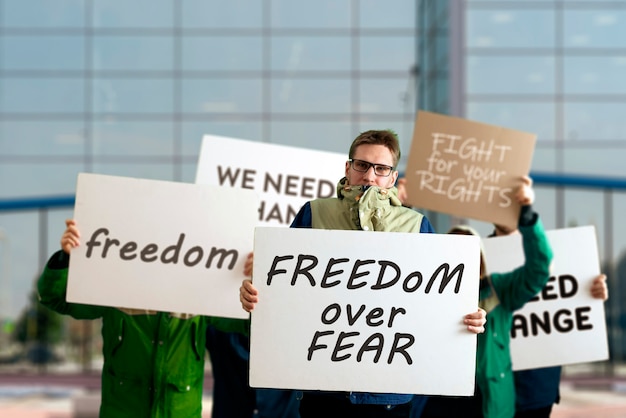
{"x":129,"y":87}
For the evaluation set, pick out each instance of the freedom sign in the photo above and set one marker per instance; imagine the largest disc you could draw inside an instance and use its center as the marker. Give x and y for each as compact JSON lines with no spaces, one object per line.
{"x":159,"y":245}
{"x":284,"y":177}
{"x":466,"y":168}
{"x":563,"y":324}
{"x":364,"y":311}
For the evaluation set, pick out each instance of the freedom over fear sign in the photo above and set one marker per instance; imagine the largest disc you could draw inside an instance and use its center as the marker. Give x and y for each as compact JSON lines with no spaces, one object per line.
{"x":159,"y":245}
{"x":467,"y":168}
{"x":364,"y":311}
{"x":563,"y":324}
{"x":284,"y":177}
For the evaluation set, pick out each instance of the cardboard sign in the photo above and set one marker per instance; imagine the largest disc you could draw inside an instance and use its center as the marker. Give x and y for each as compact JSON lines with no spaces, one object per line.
{"x":466,"y":168}
{"x":159,"y":245}
{"x":285,"y":178}
{"x":563,"y":324}
{"x":355,"y":311}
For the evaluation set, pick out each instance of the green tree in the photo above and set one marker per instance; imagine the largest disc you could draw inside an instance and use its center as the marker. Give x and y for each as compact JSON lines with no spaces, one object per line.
{"x":39,"y":325}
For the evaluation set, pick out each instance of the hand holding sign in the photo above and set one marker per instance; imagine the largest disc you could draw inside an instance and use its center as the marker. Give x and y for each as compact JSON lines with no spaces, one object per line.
{"x":71,"y":236}
{"x":599,"y":290}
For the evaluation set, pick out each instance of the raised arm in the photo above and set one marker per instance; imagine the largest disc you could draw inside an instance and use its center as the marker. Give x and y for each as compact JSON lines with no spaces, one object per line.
{"x":52,"y":284}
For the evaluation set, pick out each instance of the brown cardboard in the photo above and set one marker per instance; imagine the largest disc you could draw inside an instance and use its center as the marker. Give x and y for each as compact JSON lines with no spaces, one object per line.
{"x":466,"y":168}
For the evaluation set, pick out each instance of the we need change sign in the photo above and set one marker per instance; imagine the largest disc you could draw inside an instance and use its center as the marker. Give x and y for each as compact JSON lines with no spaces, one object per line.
{"x":364,"y":311}
{"x":466,"y":168}
{"x":159,"y":245}
{"x":284,"y":177}
{"x":563,"y":324}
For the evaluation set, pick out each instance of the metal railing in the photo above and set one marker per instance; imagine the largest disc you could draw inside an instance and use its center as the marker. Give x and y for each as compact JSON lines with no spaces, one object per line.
{"x":559,"y":182}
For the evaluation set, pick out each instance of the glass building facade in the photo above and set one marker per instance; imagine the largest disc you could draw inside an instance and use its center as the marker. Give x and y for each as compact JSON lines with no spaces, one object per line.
{"x":129,"y":87}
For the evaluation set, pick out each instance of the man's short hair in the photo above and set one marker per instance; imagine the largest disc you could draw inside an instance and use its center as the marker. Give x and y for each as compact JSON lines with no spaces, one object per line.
{"x":385,"y":137}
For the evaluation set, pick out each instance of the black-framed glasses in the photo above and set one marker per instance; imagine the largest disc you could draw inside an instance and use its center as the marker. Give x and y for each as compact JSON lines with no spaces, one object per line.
{"x":361,"y":166}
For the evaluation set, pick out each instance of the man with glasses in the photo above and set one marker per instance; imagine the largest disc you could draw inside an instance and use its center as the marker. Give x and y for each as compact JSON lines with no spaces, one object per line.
{"x":366,"y":200}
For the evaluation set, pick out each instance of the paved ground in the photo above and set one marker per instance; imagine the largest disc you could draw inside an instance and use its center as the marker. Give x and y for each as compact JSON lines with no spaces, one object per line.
{"x":588,"y":403}
{"x":45,"y":401}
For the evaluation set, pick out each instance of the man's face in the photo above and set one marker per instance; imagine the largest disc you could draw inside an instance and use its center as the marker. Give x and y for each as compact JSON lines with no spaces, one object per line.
{"x":374,"y":154}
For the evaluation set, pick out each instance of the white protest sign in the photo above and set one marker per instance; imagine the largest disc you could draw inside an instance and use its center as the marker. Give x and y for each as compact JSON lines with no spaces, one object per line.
{"x":563,"y":324}
{"x":159,"y":245}
{"x":364,"y":311}
{"x":284,"y":177}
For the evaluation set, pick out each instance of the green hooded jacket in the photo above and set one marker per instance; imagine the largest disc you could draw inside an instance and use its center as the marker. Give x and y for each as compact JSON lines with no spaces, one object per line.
{"x":153,"y":361}
{"x":500,"y":295}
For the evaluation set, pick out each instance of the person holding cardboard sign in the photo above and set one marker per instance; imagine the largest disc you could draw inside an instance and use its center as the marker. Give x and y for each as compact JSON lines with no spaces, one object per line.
{"x":153,"y":361}
{"x":366,"y":200}
{"x":500,"y":295}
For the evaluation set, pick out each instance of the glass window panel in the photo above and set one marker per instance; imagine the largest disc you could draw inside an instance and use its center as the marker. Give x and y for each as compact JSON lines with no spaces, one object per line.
{"x":52,"y":179}
{"x":310,"y":14}
{"x":43,"y":13}
{"x":143,"y":95}
{"x":135,"y":14}
{"x":595,"y":121}
{"x":221,"y":96}
{"x":42,"y":95}
{"x":435,"y":95}
{"x":509,"y":1}
{"x":386,"y":95}
{"x":42,"y":138}
{"x":619,"y":224}
{"x":222,"y":53}
{"x":534,"y":117}
{"x":19,"y":232}
{"x":545,"y":205}
{"x":597,"y":74}
{"x":433,"y":15}
{"x":133,"y":53}
{"x":192,"y":133}
{"x":594,"y":29}
{"x":510,"y":28}
{"x":43,"y":53}
{"x":544,"y":157}
{"x":222,"y":14}
{"x":123,"y":138}
{"x":304,"y":96}
{"x":434,"y":55}
{"x":585,"y":207}
{"x":602,"y":161}
{"x":378,"y":14}
{"x":387,"y":53}
{"x":188,"y":172}
{"x":136,"y":169}
{"x":300,"y":53}
{"x":510,"y":74}
{"x":322,"y":136}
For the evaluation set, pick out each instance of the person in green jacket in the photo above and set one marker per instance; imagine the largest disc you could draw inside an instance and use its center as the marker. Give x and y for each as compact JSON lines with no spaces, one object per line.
{"x":500,"y":295}
{"x":153,"y":361}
